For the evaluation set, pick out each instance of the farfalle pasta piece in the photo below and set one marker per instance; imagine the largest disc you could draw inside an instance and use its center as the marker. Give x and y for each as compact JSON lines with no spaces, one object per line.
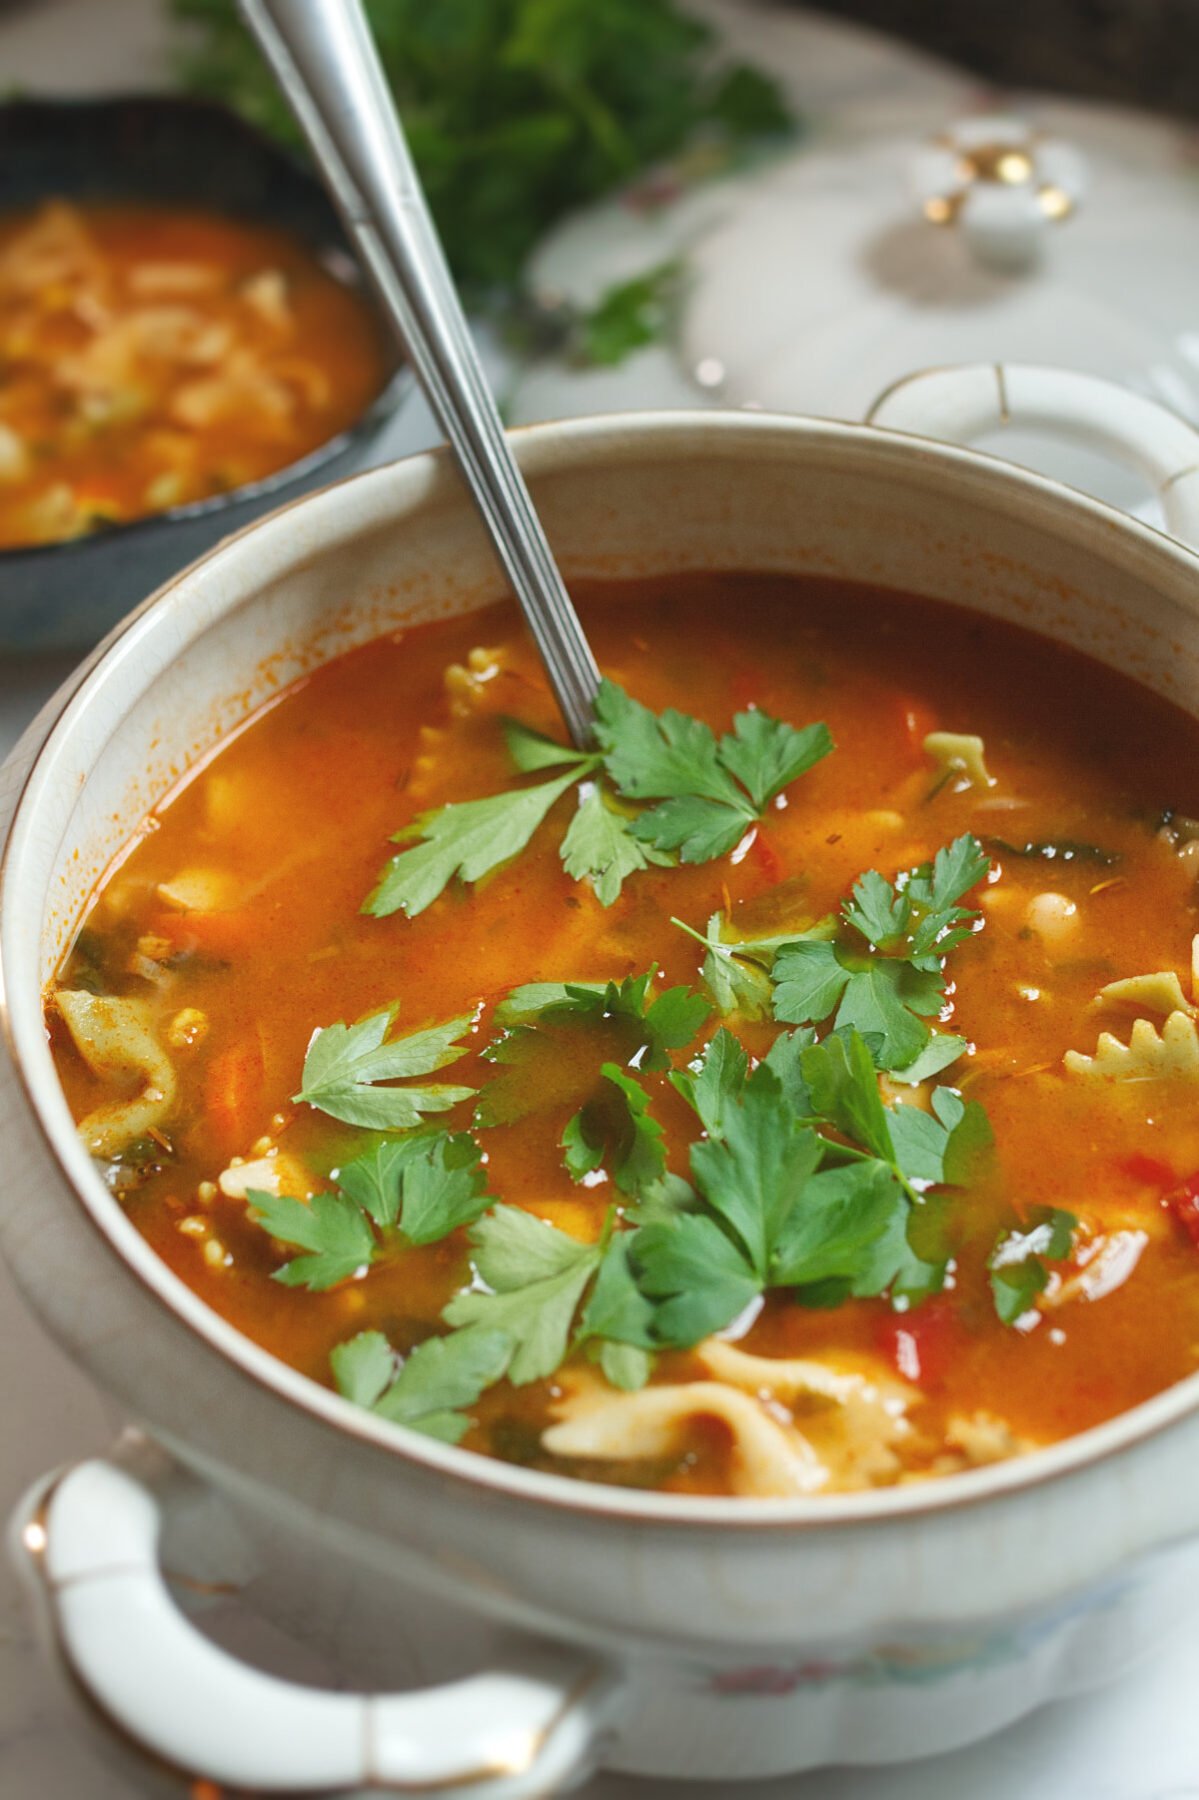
{"x":114,"y":1038}
{"x":1147,"y":1056}
{"x":1159,"y":993}
{"x":769,"y":1459}
{"x":960,"y":753}
{"x":855,"y":1418}
{"x":796,"y":1425}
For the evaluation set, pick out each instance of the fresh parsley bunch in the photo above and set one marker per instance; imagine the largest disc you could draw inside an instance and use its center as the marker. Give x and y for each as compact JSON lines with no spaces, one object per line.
{"x":516,"y":111}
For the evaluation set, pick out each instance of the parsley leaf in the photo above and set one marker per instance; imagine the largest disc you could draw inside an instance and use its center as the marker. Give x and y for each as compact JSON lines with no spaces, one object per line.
{"x":708,"y":792}
{"x":667,"y":1022}
{"x":616,"y":1308}
{"x":332,"y":1228}
{"x":843,"y":1086}
{"x":600,"y":847}
{"x":941,"y":1146}
{"x":625,"y":1366}
{"x":705,"y":1267}
{"x":846,"y":1211}
{"x":428,"y":1185}
{"x":649,"y":1029}
{"x":534,"y":997}
{"x":534,"y":1277}
{"x":532,"y":750}
{"x":626,"y":1131}
{"x":468,"y":839}
{"x":924,"y":1149}
{"x":433,"y":1185}
{"x":737,"y":971}
{"x":889,"y":985}
{"x":436,"y":1379}
{"x":714,"y":1083}
{"x":655,"y":755}
{"x":767,"y":755}
{"x":754,"y":1172}
{"x":1018,"y":1272}
{"x":700,"y":1278}
{"x":363,"y":1367}
{"x":374,"y":1181}
{"x":345,"y":1063}
{"x":942,"y":1049}
{"x":652,"y":1025}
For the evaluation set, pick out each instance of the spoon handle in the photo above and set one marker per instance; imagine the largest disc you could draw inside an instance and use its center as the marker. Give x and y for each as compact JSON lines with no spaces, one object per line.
{"x":325,"y":61}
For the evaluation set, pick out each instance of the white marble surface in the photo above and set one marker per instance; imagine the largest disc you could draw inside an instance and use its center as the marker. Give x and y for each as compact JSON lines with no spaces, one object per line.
{"x":1136,"y":1742}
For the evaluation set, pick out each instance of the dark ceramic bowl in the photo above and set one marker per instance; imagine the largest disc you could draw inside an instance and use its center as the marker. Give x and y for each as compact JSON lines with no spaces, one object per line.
{"x":160,"y":149}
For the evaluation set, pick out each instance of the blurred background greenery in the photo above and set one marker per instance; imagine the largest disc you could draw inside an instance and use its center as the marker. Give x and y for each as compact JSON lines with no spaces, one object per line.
{"x":518,"y":111}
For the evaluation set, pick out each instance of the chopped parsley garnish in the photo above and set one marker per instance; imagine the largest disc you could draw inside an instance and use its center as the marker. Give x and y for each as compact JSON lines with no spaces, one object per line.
{"x":884,"y":972}
{"x":331,"y":1228}
{"x":803,"y":1180}
{"x":433,"y":1382}
{"x":647,"y":1028}
{"x":419,"y":1188}
{"x":1017,"y":1263}
{"x":347,"y":1065}
{"x":707,"y":793}
{"x":737,"y":970}
{"x":469,"y":839}
{"x":794,"y":1207}
{"x":533,"y":1278}
{"x":618,"y":1128}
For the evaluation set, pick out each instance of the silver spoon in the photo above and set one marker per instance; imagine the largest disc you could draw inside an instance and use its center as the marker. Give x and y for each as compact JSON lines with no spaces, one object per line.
{"x":325,"y":61}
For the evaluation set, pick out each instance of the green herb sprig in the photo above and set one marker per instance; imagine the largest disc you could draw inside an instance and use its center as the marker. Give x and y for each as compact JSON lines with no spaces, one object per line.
{"x":413,"y":1190}
{"x":883,"y":974}
{"x":705,"y":794}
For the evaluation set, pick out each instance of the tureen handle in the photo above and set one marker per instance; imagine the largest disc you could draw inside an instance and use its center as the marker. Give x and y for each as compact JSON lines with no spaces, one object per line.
{"x":86,"y":1543}
{"x":961,"y":404}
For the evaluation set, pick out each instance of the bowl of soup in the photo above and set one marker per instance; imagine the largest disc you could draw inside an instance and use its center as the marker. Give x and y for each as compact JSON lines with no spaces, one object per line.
{"x":702,"y":1228}
{"x":186,"y":341}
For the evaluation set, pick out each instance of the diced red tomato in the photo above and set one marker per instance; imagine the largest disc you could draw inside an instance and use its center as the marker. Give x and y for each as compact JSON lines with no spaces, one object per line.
{"x":766,"y":858}
{"x":917,"y":720}
{"x":1183,"y":1203}
{"x":1150,"y":1171}
{"x":921,"y":1344}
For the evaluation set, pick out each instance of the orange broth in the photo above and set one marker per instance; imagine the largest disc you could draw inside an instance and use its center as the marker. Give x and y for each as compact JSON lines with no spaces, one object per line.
{"x":152,"y":358}
{"x":295,"y":812}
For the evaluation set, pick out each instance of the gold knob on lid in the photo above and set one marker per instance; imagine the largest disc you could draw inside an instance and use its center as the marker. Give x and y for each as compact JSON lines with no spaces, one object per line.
{"x":1002,"y":182}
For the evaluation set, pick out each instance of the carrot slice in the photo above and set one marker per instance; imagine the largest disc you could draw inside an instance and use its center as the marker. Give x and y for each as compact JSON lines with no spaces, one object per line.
{"x":234,"y":1094}
{"x":225,"y":936}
